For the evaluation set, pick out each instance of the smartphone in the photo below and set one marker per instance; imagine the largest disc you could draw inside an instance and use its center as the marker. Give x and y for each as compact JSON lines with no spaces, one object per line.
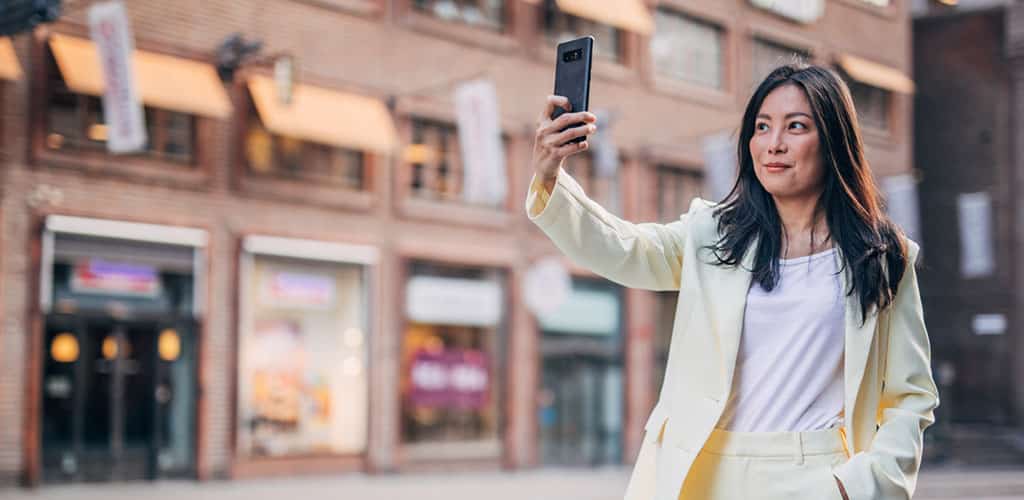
{"x":572,"y":77}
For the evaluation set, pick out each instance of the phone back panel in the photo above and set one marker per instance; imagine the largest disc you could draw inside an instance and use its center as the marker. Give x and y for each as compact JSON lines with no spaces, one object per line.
{"x":572,"y":73}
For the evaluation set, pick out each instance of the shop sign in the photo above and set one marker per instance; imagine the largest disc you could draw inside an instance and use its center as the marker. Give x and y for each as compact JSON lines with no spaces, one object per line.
{"x":298,"y":291}
{"x":587,"y":312}
{"x":115,"y":278}
{"x":804,"y":11}
{"x":454,"y":378}
{"x":450,"y":301}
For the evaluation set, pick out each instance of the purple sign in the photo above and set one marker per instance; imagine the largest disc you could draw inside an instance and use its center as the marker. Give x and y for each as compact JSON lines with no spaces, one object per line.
{"x":456,"y":378}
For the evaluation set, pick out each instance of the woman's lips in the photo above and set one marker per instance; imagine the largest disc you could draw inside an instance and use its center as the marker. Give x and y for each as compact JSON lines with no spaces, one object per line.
{"x":775,"y":168}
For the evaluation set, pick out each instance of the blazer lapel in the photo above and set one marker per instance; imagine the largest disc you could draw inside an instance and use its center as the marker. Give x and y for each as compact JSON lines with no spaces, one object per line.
{"x":735,"y":284}
{"x":858,"y":339}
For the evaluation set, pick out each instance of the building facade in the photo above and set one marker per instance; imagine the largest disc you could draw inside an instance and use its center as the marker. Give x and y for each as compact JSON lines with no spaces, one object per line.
{"x":282,"y":286}
{"x":965,"y":61}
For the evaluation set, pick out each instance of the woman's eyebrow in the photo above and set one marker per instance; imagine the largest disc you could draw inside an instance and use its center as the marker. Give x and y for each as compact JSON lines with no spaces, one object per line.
{"x":789,"y":115}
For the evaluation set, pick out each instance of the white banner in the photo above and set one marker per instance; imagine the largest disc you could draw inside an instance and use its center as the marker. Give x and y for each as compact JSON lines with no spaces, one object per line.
{"x":602,"y":146}
{"x":901,"y":198}
{"x":546,"y":286}
{"x":804,"y":11}
{"x":719,"y":164}
{"x":977,"y":257}
{"x":483,"y":157}
{"x":452,"y":301}
{"x":122,"y":111}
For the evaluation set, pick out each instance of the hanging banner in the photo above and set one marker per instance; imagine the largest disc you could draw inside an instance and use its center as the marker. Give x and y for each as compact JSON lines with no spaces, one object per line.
{"x":122,"y":110}
{"x":719,"y":164}
{"x":901,"y":195}
{"x":483,"y":156}
{"x":602,"y":146}
{"x":977,"y":257}
{"x":546,"y":286}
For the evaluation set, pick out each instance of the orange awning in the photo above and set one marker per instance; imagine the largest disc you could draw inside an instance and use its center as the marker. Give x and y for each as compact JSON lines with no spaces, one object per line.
{"x":161,"y":81}
{"x":325,"y":116}
{"x":9,"y":67}
{"x":631,"y":15}
{"x":876,"y":74}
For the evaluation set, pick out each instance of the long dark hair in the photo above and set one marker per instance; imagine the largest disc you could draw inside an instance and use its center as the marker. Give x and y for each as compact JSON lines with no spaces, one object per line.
{"x":873,"y":248}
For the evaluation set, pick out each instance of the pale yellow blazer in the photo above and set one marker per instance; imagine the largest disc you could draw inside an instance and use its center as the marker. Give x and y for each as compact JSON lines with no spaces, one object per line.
{"x":888,"y":379}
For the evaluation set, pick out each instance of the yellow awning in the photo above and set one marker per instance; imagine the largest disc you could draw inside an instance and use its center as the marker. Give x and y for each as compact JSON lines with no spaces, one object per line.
{"x":875,"y":74}
{"x":162,"y":81}
{"x":325,"y":116}
{"x":629,"y":15}
{"x":9,"y":67}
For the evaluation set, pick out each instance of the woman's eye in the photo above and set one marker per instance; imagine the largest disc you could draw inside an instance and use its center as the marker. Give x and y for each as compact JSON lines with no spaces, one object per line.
{"x":761,"y":126}
{"x":798,"y":125}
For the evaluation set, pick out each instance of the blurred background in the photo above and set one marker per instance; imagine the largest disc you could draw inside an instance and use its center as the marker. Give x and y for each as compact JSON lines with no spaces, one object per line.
{"x":259,"y":248}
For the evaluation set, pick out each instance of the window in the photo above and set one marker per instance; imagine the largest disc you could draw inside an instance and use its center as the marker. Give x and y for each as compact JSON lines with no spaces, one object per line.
{"x":676,"y":189}
{"x":75,"y":124}
{"x":687,"y":49}
{"x":451,"y":357}
{"x":602,"y":189}
{"x":559,"y":27}
{"x":483,"y":13}
{"x":770,"y":55}
{"x":284,"y":157}
{"x":435,"y":161}
{"x":872,"y":104}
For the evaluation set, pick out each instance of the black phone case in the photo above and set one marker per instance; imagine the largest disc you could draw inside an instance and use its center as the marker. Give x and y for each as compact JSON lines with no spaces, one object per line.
{"x":572,"y":78}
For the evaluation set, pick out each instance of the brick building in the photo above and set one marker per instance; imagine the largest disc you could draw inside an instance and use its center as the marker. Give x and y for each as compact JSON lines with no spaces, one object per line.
{"x":251,"y":295}
{"x":965,"y":65}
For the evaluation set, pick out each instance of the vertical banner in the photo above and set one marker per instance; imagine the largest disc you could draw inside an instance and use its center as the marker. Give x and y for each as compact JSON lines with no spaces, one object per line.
{"x":902,"y":203}
{"x":483,"y":157}
{"x":602,"y":146}
{"x":122,"y":111}
{"x":977,"y":257}
{"x":720,"y":164}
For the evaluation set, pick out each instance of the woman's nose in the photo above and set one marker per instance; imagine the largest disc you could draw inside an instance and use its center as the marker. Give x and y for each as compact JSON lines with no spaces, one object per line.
{"x":777,"y":145}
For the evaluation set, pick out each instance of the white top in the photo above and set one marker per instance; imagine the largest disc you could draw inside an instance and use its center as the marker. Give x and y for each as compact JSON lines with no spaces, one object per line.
{"x":789,"y":369}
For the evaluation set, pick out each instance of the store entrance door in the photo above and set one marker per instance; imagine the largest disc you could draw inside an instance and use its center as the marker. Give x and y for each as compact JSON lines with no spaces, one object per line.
{"x":114,"y":392}
{"x":580,"y":410}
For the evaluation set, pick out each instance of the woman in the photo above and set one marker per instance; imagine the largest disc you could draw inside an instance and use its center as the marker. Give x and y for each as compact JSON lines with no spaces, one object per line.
{"x":799,"y":365}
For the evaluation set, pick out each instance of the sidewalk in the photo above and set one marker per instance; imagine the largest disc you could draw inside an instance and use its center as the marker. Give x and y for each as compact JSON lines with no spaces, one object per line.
{"x":546,"y":484}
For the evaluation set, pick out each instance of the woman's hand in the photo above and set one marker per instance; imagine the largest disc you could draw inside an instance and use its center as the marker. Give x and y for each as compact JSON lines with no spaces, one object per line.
{"x":551,"y":146}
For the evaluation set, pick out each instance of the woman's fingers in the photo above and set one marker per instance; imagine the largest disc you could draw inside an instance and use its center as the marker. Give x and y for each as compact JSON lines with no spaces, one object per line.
{"x":570,"y":134}
{"x":554,"y":101}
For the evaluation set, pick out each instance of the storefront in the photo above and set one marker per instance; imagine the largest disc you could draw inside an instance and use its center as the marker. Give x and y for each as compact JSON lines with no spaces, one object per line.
{"x":452,"y":363}
{"x":120,"y":303}
{"x":581,"y":400}
{"x":303,"y":349}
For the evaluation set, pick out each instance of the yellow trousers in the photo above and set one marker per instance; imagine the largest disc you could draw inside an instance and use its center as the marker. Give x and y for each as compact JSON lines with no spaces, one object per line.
{"x":767,"y":466}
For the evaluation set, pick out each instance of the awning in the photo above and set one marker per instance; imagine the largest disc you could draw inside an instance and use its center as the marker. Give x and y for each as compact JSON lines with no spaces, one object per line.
{"x":325,"y":116}
{"x":875,"y":74}
{"x":163,"y":81}
{"x":9,"y":67}
{"x":629,"y":15}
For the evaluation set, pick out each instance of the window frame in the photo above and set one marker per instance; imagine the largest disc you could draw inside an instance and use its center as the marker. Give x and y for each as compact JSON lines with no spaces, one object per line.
{"x":196,"y":175}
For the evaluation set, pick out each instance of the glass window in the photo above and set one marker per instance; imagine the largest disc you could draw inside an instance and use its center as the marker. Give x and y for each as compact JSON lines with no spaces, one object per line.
{"x":872,"y":104}
{"x":687,"y":49}
{"x":559,"y":27}
{"x":302,"y":358}
{"x":484,"y":13}
{"x":676,"y":189}
{"x":435,"y":161}
{"x":604,"y":190}
{"x":451,"y":378}
{"x":770,"y":55}
{"x":290,"y":158}
{"x":75,"y":123}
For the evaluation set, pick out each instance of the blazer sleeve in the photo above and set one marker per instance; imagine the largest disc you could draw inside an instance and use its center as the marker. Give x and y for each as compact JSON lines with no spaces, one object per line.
{"x":888,"y":468}
{"x":647,"y":256}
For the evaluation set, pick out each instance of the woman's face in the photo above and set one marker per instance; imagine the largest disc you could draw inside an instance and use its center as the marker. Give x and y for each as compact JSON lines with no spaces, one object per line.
{"x":785,"y":147}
